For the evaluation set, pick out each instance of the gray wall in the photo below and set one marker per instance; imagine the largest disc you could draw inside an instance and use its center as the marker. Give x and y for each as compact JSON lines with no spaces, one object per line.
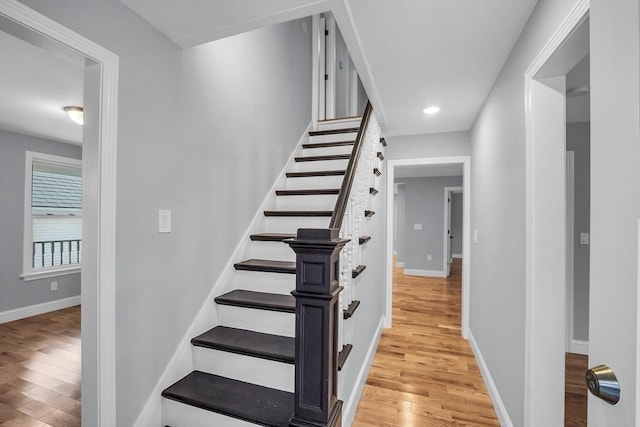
{"x":15,"y":292}
{"x":497,"y":319}
{"x":203,"y":132}
{"x":398,"y":217}
{"x":578,"y":141}
{"x":424,"y":204}
{"x":428,"y":145}
{"x":456,"y":223}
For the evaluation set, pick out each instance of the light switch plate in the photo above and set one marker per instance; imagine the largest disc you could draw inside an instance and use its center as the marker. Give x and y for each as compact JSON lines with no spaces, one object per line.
{"x":584,"y":238}
{"x":475,"y":237}
{"x":164,"y":221}
{"x":417,"y":226}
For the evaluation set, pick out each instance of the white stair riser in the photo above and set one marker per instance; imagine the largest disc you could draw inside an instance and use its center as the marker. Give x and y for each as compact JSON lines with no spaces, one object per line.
{"x":339,"y":124}
{"x":292,"y":224}
{"x":265,"y":282}
{"x":320,"y":165}
{"x":270,"y":250}
{"x":176,"y":414}
{"x":255,"y":370}
{"x":269,"y":322}
{"x":326,"y":151}
{"x":351,"y":136}
{"x":334,"y":181}
{"x":323,"y":202}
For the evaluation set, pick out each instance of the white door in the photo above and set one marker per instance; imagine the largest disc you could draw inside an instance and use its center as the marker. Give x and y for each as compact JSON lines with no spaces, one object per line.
{"x":615,"y":204}
{"x":449,"y":235}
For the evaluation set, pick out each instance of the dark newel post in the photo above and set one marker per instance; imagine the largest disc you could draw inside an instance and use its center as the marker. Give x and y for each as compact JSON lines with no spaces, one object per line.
{"x":317,"y":289}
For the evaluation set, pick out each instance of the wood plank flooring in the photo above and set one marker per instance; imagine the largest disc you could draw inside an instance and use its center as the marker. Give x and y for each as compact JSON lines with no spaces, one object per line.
{"x":40,"y":359}
{"x":575,"y":391}
{"x":424,"y":373}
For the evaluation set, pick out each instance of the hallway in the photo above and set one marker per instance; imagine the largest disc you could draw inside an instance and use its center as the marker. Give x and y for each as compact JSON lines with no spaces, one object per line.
{"x":424,"y":373}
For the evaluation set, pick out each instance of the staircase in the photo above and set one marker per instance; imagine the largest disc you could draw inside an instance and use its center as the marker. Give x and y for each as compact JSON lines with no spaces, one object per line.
{"x":244,"y":367}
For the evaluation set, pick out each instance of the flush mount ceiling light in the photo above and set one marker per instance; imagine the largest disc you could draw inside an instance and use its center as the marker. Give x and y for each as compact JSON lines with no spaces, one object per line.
{"x":75,"y":114}
{"x":431,"y":110}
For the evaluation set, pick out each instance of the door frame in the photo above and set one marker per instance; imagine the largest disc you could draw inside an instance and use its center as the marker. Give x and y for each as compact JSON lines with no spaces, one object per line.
{"x":570,"y":192}
{"x":465,"y":161}
{"x":545,"y":229}
{"x":446,"y":258}
{"x":98,"y":275}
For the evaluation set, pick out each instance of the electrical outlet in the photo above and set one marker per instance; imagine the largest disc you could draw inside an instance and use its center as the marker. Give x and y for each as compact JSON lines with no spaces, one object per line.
{"x":429,"y":257}
{"x":54,"y":286}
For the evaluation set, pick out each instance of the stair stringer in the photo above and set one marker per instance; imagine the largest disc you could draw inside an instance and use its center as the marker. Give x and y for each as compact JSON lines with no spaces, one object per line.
{"x":181,"y":363}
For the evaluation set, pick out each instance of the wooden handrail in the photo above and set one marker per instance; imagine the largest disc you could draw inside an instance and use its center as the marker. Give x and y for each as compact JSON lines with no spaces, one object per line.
{"x":349,"y":175}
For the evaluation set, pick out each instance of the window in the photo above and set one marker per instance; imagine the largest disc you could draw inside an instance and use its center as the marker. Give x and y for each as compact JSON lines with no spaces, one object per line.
{"x":52,"y":216}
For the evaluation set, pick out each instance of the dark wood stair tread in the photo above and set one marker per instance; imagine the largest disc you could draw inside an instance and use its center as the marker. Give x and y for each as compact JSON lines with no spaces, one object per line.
{"x":271,"y":237}
{"x":358,"y":271}
{"x":238,"y":399}
{"x":299,"y":213}
{"x":346,"y":314}
{"x":266,"y":265}
{"x":364,"y":239}
{"x":377,"y":172}
{"x":344,"y":355}
{"x":258,"y":300}
{"x":314,"y":173}
{"x":383,"y":142}
{"x":308,"y":192}
{"x":328,"y":144}
{"x":373,"y":191}
{"x":332,"y":131}
{"x":323,"y":158}
{"x":380,"y":155}
{"x":249,"y":343}
{"x":369,"y":214}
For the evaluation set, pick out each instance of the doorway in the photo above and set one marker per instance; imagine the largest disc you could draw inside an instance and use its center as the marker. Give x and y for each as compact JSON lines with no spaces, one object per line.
{"x":453,"y":228}
{"x":551,"y":245}
{"x":392,"y":166}
{"x":98,"y":164}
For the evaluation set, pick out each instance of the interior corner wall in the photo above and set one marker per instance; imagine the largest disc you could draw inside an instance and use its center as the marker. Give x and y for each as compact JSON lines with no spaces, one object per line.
{"x":424,"y":205}
{"x":578,"y":141}
{"x":202,"y":132}
{"x":428,"y":145}
{"x":498,"y":213}
{"x":16,"y":293}
{"x":456,"y":223}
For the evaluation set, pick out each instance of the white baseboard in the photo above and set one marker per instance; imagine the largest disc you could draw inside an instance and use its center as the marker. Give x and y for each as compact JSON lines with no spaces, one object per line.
{"x":456,"y":256}
{"x":351,"y":405}
{"x":181,"y":363}
{"x":580,"y":347}
{"x":496,"y":399}
{"x":400,"y":264}
{"x":428,"y":273}
{"x":34,"y":310}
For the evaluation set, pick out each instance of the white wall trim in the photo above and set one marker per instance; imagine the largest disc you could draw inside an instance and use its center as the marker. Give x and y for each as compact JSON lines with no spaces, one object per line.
{"x":99,"y":255}
{"x":494,"y":394}
{"x":351,"y":404}
{"x":466,"y":233}
{"x":537,"y":402}
{"x":570,"y":181}
{"x":400,"y":264}
{"x":34,"y":310}
{"x":181,"y":363}
{"x":456,"y":256}
{"x":425,"y":273}
{"x":579,"y":347}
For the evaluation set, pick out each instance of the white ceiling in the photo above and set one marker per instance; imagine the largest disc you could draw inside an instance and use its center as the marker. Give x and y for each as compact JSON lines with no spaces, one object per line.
{"x":36,"y":84}
{"x":425,"y":171}
{"x":410,"y":53}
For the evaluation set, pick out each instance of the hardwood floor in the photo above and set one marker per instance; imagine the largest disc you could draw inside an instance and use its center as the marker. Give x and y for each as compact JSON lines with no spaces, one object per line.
{"x":575,"y":392}
{"x":40,"y":370}
{"x":424,"y":373}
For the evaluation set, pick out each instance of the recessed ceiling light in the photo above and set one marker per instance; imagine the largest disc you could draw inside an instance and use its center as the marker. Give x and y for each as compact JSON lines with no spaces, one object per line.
{"x":431,"y":110}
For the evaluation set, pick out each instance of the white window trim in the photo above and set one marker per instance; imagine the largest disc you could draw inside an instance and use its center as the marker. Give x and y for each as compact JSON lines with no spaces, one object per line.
{"x":28,"y":272}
